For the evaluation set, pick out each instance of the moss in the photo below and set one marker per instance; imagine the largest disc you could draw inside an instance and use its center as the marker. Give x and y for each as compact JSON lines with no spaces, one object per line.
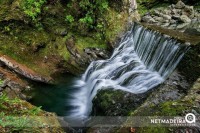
{"x":19,"y":116}
{"x":20,"y":47}
{"x":116,"y":24}
{"x":84,"y":42}
{"x":171,"y":108}
{"x":143,"y":8}
{"x":108,"y":96}
{"x":168,"y":108}
{"x":22,"y":41}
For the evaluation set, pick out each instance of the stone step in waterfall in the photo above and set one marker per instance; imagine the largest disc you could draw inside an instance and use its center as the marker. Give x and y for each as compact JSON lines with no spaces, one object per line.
{"x":143,"y":60}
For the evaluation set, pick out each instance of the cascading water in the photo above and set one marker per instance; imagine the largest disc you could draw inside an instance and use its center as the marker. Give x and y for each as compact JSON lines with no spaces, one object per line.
{"x":142,"y":60}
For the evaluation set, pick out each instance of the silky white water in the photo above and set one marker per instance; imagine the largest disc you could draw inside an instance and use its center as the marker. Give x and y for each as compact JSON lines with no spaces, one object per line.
{"x":143,"y":60}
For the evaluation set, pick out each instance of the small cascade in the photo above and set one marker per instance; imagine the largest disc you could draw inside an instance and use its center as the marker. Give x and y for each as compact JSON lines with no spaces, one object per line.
{"x":143,"y":60}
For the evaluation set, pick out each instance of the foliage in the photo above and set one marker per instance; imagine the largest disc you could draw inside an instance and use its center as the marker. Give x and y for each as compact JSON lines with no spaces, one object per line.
{"x":86,"y":13}
{"x":34,"y":110}
{"x":32,"y":8}
{"x":16,"y":123}
{"x":69,"y":18}
{"x":16,"y":115}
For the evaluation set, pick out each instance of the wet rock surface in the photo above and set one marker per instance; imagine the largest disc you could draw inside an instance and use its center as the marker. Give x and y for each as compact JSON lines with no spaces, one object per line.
{"x":119,"y":103}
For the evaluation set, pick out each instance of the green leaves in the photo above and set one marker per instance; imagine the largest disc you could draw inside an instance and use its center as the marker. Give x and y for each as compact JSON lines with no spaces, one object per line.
{"x":32,"y":8}
{"x":88,"y":12}
{"x":87,"y":19}
{"x":69,"y":18}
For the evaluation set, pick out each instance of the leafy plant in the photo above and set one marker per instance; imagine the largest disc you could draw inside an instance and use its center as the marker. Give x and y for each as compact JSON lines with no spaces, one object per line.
{"x":32,"y":8}
{"x":15,"y":117}
{"x":69,"y":18}
{"x":35,"y":110}
{"x":16,"y":124}
{"x":86,"y":12}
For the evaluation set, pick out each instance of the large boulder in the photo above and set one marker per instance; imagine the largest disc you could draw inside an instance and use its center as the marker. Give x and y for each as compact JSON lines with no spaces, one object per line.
{"x":116,"y":102}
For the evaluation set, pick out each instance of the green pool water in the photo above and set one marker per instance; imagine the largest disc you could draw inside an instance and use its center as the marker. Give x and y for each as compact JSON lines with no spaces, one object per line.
{"x":54,"y":98}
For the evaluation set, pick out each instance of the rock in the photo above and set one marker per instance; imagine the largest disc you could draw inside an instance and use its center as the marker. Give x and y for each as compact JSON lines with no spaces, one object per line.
{"x":27,"y":88}
{"x":96,"y":53}
{"x":5,"y":83}
{"x":167,"y":12}
{"x":191,"y":16}
{"x":192,"y":31}
{"x":87,"y":51}
{"x":116,"y":102}
{"x":172,"y":21}
{"x":166,"y":17}
{"x":159,"y":19}
{"x":148,"y":19}
{"x":174,"y":12}
{"x":24,"y":97}
{"x":172,"y":6}
{"x":181,"y":26}
{"x":156,"y":12}
{"x":14,"y":86}
{"x":185,"y":19}
{"x":189,"y":10}
{"x":132,"y":6}
{"x":173,"y":26}
{"x":165,"y":25}
{"x":180,"y":5}
{"x":2,"y":75}
{"x":23,"y":70}
{"x":1,"y":64}
{"x":176,"y":17}
{"x":102,"y":55}
{"x":166,"y":21}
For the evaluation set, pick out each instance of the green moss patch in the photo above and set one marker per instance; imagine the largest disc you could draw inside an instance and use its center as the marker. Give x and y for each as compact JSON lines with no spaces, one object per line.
{"x":19,"y":116}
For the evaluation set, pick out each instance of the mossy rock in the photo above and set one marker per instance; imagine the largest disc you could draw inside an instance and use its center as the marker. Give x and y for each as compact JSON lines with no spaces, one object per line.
{"x":116,"y":102}
{"x":21,"y":116}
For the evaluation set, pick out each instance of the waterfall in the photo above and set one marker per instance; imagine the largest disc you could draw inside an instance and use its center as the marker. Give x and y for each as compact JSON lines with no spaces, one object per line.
{"x":143,"y":60}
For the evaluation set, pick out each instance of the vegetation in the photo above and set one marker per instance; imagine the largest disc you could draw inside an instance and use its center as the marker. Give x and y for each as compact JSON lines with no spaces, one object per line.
{"x":19,"y":116}
{"x":14,"y":116}
{"x":32,"y":8}
{"x":87,"y":13}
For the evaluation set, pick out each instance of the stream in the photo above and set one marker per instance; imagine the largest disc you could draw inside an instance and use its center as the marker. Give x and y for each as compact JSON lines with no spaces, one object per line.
{"x":143,"y":60}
